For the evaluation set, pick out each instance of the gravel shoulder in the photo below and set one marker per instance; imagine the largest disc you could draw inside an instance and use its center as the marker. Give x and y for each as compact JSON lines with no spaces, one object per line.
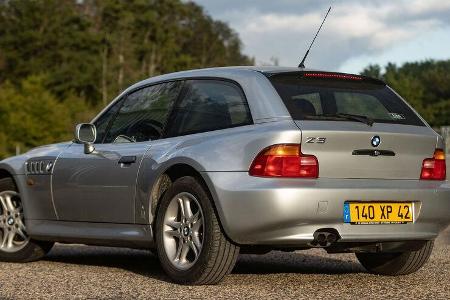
{"x":82,"y":272}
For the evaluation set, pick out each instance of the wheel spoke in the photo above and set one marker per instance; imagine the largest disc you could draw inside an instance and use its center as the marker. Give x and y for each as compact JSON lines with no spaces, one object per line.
{"x":196,"y":226}
{"x":19,"y":208}
{"x":179,"y":248}
{"x":7,"y":240}
{"x":174,"y":224}
{"x":194,"y":248}
{"x":21,"y":234}
{"x":184,"y":252}
{"x":4,"y":239}
{"x":9,"y":243}
{"x":187,"y":208}
{"x":22,"y":227}
{"x":3,"y":204}
{"x":196,"y":240}
{"x":9,"y":203}
{"x":173,"y":233}
{"x":194,"y":217}
{"x":181,"y":206}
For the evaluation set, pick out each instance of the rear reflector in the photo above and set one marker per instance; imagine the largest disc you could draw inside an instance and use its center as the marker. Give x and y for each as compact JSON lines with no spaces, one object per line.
{"x":434,"y":168}
{"x":333,"y":76}
{"x":285,"y":160}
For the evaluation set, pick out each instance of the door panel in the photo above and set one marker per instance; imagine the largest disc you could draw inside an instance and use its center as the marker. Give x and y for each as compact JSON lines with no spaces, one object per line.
{"x":97,"y":187}
{"x":101,"y":186}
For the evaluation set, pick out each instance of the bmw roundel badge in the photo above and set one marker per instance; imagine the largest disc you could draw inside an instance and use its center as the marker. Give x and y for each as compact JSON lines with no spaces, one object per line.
{"x":376,"y":141}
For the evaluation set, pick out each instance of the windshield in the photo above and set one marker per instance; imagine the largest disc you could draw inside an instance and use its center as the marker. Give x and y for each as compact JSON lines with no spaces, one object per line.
{"x":341,"y":100}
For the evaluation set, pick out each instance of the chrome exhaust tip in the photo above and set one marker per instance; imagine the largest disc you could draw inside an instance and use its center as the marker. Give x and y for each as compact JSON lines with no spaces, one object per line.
{"x":325,"y":237}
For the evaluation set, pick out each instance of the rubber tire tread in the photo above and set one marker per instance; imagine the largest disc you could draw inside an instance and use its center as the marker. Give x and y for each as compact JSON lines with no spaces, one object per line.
{"x":396,"y":264}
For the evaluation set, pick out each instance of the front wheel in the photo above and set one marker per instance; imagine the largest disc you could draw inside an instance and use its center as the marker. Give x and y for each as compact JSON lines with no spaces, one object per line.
{"x":191,"y":245}
{"x":15,"y":245}
{"x":394,"y":264}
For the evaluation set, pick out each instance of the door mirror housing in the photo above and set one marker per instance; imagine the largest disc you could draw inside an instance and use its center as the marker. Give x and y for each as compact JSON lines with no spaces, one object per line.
{"x":86,"y":134}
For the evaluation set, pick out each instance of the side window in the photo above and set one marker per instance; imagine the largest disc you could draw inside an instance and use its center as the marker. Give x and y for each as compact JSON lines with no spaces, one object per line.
{"x":210,"y":105}
{"x":144,"y":114}
{"x":103,"y":121}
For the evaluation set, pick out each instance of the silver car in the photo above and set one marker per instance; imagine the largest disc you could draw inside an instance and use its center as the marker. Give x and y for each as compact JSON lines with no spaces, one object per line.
{"x":202,"y":165}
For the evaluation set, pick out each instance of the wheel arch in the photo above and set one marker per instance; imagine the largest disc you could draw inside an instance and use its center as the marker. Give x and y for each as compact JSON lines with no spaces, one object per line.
{"x":170,"y":175}
{"x":7,"y":174}
{"x":4,"y":174}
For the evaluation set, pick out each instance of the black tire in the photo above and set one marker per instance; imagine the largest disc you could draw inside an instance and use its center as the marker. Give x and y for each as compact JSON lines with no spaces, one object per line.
{"x":153,"y":252}
{"x":218,"y":255}
{"x":34,"y":250}
{"x":395,"y":264}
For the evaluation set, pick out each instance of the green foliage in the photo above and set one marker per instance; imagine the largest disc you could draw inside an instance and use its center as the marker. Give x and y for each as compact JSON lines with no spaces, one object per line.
{"x":49,"y":36}
{"x":89,"y":51}
{"x":95,"y":48}
{"x":32,"y":116}
{"x":372,"y":71}
{"x":425,"y":85}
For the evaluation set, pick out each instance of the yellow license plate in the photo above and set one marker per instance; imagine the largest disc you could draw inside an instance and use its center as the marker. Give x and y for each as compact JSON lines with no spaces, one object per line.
{"x":378,"y":213}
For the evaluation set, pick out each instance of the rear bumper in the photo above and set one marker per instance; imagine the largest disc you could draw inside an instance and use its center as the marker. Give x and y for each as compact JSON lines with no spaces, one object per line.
{"x":262,"y":211}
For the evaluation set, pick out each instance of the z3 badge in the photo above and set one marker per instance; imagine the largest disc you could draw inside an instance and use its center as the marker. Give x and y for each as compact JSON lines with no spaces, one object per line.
{"x":316,"y":140}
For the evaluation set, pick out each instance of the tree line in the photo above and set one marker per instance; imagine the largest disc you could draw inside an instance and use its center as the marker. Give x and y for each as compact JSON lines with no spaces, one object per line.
{"x":425,"y":85}
{"x":62,"y":60}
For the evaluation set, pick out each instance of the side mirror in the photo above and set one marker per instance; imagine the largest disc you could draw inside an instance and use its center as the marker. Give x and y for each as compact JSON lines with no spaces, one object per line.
{"x":86,"y":134}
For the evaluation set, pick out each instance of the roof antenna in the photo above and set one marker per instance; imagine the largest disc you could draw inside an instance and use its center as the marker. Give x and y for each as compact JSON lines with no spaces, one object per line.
{"x":302,"y":64}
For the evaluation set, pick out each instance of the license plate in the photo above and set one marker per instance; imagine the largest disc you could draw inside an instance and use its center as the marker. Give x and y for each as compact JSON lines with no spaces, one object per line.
{"x":378,"y":213}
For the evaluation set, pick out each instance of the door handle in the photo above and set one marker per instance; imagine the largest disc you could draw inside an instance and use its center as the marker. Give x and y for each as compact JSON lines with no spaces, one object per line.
{"x":127,"y":160}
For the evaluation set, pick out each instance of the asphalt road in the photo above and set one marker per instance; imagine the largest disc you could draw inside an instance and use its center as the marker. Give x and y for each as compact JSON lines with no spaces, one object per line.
{"x":82,"y":272}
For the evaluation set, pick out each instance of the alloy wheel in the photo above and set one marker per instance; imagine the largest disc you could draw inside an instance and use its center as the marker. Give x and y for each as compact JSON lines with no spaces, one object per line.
{"x":13,"y":236}
{"x":183,"y":231}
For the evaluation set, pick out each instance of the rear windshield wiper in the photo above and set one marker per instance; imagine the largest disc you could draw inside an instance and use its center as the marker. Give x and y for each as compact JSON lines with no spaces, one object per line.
{"x":357,"y":118}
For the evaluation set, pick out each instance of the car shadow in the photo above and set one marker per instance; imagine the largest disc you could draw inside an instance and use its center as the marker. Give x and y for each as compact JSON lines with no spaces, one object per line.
{"x":144,"y":263}
{"x":141,"y":262}
{"x":286,"y":262}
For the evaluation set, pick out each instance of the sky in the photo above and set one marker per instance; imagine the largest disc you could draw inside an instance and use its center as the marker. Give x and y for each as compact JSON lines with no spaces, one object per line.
{"x":356,"y":33}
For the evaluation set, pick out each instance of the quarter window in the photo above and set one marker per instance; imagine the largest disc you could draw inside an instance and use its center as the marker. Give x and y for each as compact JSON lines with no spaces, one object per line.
{"x":209,"y":105}
{"x":144,"y":114}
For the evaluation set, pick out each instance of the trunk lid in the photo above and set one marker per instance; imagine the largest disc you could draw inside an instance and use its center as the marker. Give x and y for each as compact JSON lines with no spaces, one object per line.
{"x":345,"y":150}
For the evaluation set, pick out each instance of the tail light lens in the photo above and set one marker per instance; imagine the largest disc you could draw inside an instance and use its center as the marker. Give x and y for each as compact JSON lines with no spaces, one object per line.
{"x":434,"y":168}
{"x":284,"y":160}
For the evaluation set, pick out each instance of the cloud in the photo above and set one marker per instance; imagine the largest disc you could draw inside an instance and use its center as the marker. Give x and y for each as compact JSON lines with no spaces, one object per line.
{"x":284,"y":28}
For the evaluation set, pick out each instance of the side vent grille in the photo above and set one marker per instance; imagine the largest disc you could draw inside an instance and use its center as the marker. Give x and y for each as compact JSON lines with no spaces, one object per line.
{"x":39,"y":167}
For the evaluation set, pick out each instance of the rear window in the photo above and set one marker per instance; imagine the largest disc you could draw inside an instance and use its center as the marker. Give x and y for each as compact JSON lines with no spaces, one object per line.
{"x":322,"y":98}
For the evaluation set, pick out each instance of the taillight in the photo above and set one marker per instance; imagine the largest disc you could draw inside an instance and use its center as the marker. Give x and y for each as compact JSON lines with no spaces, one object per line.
{"x":285,"y":160}
{"x":434,"y":168}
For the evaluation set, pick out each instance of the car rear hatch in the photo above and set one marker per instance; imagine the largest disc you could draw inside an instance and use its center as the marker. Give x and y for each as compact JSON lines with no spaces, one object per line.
{"x":357,"y":127}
